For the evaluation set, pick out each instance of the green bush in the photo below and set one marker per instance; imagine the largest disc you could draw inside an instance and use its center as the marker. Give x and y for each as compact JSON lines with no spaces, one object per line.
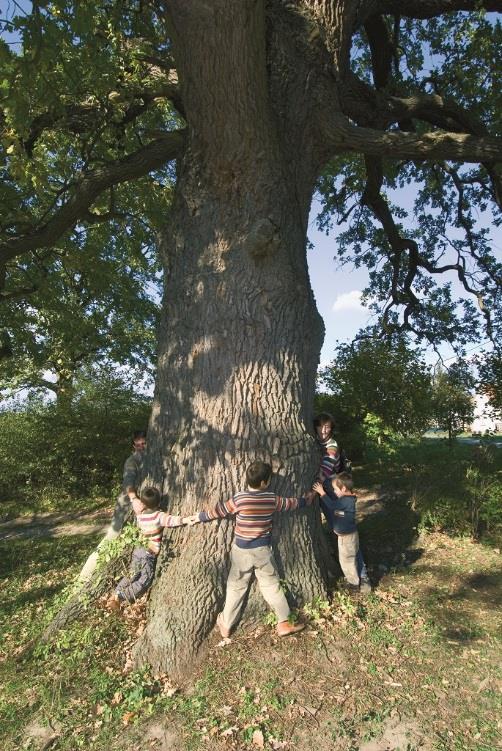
{"x":49,"y":453}
{"x":458,"y":491}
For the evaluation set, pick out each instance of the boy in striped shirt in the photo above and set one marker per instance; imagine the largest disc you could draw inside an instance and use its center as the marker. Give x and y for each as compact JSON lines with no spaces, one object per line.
{"x":251,"y":551}
{"x":151,"y":521}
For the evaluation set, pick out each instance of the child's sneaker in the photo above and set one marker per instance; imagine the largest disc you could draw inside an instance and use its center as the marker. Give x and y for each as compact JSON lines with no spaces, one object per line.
{"x":285,"y":628}
{"x":365,"y":586}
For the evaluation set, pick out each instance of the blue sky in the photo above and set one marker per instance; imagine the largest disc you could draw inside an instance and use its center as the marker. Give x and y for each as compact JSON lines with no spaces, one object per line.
{"x":338,"y":289}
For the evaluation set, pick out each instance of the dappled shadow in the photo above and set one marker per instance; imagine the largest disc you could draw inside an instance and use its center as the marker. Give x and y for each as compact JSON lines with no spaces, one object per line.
{"x":21,"y":558}
{"x":388,"y":535}
{"x":458,"y":612}
{"x":11,"y":604}
{"x":54,"y":524}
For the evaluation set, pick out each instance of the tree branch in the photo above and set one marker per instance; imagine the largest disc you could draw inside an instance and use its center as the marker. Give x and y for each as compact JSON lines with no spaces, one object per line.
{"x":381,"y":49}
{"x":86,"y":189}
{"x":423,"y":9}
{"x":79,"y":118}
{"x":462,"y":147}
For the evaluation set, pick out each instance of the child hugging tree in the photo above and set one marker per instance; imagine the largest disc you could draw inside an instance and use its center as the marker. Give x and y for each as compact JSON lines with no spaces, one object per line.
{"x":151,"y":521}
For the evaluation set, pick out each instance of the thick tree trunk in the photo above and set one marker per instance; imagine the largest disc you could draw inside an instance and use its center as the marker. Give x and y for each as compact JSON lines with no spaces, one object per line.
{"x":240,"y":343}
{"x":240,"y":337}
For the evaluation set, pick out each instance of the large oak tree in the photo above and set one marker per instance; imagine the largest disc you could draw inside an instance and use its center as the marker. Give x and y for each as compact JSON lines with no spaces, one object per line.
{"x":256,"y":103}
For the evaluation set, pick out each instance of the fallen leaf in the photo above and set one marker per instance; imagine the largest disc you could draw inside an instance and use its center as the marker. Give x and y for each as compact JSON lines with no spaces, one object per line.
{"x":258,"y":739}
{"x":277,"y":745}
{"x":229,"y":731}
{"x":312,"y":711}
{"x":127,"y":718}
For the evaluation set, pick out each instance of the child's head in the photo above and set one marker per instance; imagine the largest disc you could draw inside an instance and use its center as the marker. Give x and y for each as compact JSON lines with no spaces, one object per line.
{"x":324,"y":425}
{"x":258,"y":475}
{"x":139,"y":440}
{"x":343,"y":482}
{"x":150,"y":497}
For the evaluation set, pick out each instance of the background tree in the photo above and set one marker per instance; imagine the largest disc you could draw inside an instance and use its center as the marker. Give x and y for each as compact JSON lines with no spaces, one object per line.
{"x":256,"y":101}
{"x":453,"y":404}
{"x":52,"y":456}
{"x":388,"y":379}
{"x":490,"y":377}
{"x":91,"y":300}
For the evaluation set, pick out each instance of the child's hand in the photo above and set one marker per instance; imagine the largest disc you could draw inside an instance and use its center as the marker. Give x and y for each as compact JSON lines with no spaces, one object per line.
{"x":191,"y":520}
{"x":318,"y":488}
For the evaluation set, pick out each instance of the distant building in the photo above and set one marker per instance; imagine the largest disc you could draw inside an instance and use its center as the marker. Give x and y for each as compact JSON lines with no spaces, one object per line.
{"x":485,"y":418}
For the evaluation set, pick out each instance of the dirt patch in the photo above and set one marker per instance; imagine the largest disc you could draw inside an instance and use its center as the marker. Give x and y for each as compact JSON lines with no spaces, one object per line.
{"x":55,"y":525}
{"x":40,"y":737}
{"x":398,"y":735}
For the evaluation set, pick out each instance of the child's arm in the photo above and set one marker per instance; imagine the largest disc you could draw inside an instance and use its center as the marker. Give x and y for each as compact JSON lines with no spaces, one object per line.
{"x":330,"y":461}
{"x":170,"y":520}
{"x":329,"y":501}
{"x":137,"y":504}
{"x":290,"y":504}
{"x":220,"y":511}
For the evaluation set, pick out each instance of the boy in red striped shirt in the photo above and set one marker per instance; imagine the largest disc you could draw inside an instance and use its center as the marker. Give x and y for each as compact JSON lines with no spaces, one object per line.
{"x":251,"y":551}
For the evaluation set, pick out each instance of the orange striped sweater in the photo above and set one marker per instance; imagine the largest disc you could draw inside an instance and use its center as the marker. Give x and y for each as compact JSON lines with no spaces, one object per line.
{"x":254,"y":509}
{"x":152,"y":522}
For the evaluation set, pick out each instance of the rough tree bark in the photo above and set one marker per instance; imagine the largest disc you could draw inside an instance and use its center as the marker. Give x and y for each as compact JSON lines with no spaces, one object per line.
{"x":240,"y":337}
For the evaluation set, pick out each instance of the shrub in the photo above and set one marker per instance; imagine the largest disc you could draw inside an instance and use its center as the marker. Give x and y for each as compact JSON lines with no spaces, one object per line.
{"x":459,"y":491}
{"x":49,"y":453}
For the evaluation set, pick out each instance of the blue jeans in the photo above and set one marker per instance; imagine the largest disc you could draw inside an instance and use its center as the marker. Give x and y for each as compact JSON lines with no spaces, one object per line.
{"x":143,"y":570}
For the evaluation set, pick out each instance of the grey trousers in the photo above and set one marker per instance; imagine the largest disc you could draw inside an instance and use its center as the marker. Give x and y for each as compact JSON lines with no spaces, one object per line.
{"x":245,"y":561}
{"x":143,"y":570}
{"x":348,"y":549}
{"x":120,"y":512}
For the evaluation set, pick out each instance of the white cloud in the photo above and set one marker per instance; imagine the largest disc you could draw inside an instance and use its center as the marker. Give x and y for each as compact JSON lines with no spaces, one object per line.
{"x":349,"y":301}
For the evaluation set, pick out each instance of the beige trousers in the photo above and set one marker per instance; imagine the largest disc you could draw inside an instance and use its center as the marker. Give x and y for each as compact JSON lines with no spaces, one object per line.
{"x":245,"y":561}
{"x":348,"y":547}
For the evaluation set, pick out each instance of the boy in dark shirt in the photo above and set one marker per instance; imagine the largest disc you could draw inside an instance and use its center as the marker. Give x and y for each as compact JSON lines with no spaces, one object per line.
{"x":339,"y":507}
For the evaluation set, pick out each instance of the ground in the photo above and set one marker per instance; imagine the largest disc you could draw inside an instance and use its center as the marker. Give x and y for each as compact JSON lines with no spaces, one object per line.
{"x":416,"y":665}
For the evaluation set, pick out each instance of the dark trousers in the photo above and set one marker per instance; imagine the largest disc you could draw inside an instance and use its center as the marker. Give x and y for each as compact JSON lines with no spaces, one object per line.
{"x":143,"y":569}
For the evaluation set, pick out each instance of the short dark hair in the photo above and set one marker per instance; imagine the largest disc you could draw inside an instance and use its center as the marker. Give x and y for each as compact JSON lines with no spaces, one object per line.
{"x":344,"y":479}
{"x":150,"y":497}
{"x":258,"y":472}
{"x":324,"y":417}
{"x":139,"y":434}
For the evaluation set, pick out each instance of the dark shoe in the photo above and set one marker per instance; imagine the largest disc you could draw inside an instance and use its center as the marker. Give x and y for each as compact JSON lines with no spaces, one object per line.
{"x":365,"y":586}
{"x":224,"y":631}
{"x":285,"y":628}
{"x":346,"y":586}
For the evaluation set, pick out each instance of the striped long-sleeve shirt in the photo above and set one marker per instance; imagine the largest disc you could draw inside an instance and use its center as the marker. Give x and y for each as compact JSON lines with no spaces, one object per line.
{"x":152,"y":522}
{"x":254,"y":510}
{"x":330,"y":460}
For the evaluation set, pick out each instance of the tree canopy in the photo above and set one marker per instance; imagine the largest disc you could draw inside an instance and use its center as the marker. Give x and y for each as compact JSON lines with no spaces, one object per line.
{"x":388,"y":380}
{"x":402,"y":100}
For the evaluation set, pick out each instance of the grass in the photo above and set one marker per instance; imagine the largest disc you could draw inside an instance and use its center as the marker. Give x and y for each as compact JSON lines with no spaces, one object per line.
{"x":417,"y":663}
